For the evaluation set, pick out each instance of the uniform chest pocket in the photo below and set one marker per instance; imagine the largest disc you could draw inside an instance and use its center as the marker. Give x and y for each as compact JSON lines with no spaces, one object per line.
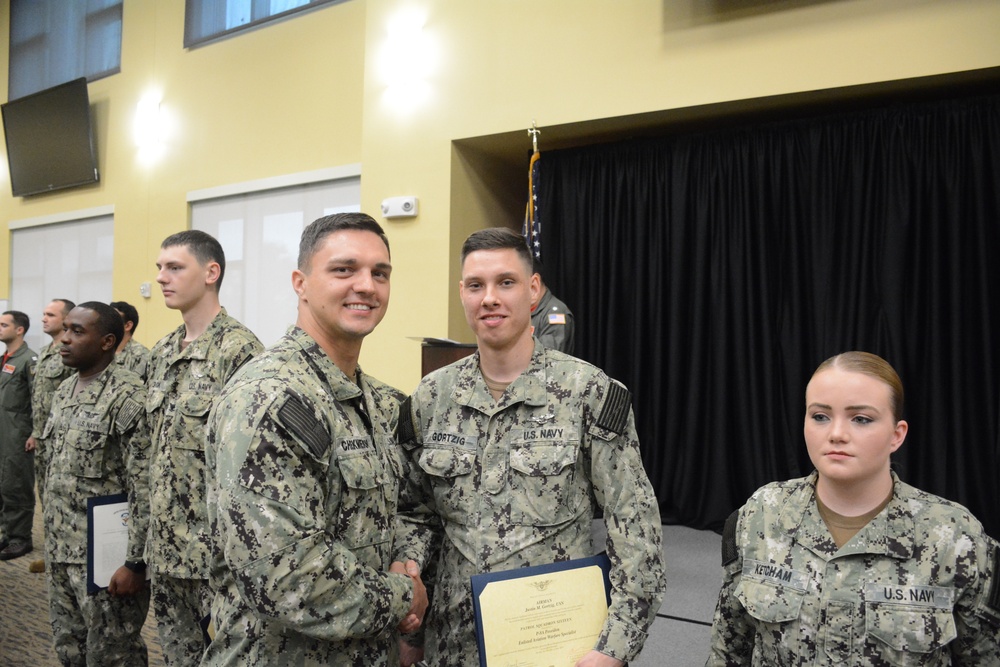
{"x":770,"y":603}
{"x":190,"y":423}
{"x":85,"y":450}
{"x":546,"y":486}
{"x":450,"y":473}
{"x":909,"y":634}
{"x":367,"y":501}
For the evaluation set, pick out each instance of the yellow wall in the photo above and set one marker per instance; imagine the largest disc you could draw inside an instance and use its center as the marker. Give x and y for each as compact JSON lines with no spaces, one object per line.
{"x":308,"y":93}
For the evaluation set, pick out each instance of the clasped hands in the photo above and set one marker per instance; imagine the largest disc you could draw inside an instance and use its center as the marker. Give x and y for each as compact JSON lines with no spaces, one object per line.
{"x":415,"y":616}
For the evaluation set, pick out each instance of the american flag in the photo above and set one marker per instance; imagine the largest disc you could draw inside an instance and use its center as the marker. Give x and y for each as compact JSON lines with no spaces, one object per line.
{"x":532,"y":229}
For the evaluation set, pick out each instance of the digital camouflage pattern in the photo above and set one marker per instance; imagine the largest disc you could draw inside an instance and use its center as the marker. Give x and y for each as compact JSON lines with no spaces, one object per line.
{"x":306,"y":479}
{"x":17,"y":469}
{"x":913,"y":587}
{"x":553,"y":323}
{"x":183,"y":385}
{"x":185,"y":603}
{"x":497,"y":485}
{"x":50,"y":372}
{"x":135,"y":357}
{"x":95,"y":629}
{"x":98,"y":445}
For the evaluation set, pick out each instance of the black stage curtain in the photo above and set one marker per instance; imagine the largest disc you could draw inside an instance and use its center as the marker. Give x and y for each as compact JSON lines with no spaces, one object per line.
{"x":712,"y":273}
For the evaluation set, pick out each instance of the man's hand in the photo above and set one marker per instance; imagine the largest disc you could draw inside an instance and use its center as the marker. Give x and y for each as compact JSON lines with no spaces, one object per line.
{"x":415,"y":616}
{"x":30,"y":445}
{"x":409,"y":654}
{"x":125,"y":582}
{"x":598,"y":659}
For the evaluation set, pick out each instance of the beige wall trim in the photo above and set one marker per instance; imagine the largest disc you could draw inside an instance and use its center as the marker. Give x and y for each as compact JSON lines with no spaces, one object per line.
{"x":275,"y":182}
{"x":67,"y":216}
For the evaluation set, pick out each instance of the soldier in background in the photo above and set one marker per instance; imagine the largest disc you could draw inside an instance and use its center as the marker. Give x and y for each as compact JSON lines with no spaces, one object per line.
{"x":306,"y":475}
{"x":850,"y":565}
{"x":50,"y":372}
{"x":98,"y":445}
{"x":187,"y":371}
{"x":17,"y":469}
{"x":551,"y":318}
{"x":496,"y":493}
{"x":131,"y":354}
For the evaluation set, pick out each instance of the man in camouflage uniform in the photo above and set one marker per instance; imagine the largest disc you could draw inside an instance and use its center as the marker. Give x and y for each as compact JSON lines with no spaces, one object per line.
{"x":306,"y":474}
{"x":17,"y":469}
{"x":98,"y":446}
{"x":918,"y":585}
{"x":187,"y":371}
{"x":552,"y":319}
{"x":507,"y":451}
{"x":131,"y":354}
{"x":50,"y":372}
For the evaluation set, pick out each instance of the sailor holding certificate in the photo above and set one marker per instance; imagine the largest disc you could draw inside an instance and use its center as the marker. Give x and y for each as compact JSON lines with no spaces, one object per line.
{"x":507,"y":452}
{"x":98,"y":446}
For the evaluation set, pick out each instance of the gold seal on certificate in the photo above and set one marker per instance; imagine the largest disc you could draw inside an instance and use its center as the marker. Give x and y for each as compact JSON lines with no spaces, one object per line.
{"x":544,"y":616}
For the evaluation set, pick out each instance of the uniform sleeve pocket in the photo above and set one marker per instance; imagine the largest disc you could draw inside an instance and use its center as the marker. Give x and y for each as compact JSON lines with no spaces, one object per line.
{"x":769,"y":603}
{"x":910,"y":629}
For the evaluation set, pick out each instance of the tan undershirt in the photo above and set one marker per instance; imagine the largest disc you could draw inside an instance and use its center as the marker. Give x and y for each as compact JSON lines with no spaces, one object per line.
{"x":843,"y":528}
{"x":496,"y":388}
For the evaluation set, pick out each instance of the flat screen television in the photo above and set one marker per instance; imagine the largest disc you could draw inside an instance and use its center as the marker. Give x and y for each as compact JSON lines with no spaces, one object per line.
{"x":50,"y":145}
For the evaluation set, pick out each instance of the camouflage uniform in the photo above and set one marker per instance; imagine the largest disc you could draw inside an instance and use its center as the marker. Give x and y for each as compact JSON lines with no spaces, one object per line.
{"x":17,"y":469}
{"x":306,"y":478}
{"x":183,"y":385}
{"x":553,"y":323}
{"x":135,"y":357}
{"x":49,"y":374}
{"x":515,"y":483}
{"x":912,"y":587}
{"x":98,"y":445}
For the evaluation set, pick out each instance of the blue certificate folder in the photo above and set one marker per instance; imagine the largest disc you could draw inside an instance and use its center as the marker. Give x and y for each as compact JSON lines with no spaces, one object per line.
{"x":93,"y":545}
{"x":481,"y":581}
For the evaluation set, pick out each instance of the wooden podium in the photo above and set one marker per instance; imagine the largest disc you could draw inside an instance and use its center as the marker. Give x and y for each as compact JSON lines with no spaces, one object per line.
{"x":436,"y":352}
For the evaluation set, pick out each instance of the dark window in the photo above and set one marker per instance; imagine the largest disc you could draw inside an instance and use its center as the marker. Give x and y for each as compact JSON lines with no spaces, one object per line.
{"x":54,"y":41}
{"x":207,"y":20}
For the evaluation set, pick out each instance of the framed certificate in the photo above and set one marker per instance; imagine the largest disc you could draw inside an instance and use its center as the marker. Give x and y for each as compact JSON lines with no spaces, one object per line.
{"x":107,"y":538}
{"x":542,"y":616}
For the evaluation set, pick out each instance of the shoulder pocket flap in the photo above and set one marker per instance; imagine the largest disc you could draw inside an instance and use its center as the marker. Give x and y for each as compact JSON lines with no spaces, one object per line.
{"x":539,"y":459}
{"x":768,"y":602}
{"x":53,"y":370}
{"x":447,"y":462}
{"x":912,"y":630}
{"x":153,"y":400}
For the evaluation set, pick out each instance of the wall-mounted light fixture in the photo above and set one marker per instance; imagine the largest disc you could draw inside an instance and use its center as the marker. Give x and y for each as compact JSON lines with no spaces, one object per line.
{"x":148,"y":128}
{"x":408,"y":59}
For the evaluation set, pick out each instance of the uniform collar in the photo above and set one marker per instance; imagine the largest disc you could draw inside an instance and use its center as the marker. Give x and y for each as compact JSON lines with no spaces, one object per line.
{"x":528,"y":387}
{"x":340,"y":385}
{"x":199,"y":347}
{"x":91,"y":394}
{"x":890,"y":533}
